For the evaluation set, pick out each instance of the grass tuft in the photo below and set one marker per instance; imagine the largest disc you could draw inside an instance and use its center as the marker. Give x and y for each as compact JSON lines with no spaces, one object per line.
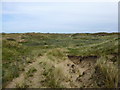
{"x":110,"y":71}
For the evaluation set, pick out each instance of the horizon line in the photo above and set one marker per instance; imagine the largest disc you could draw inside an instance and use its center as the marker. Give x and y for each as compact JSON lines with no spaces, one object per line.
{"x":57,"y":32}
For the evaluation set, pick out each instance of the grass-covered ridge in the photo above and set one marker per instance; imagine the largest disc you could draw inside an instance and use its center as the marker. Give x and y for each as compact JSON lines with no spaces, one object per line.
{"x":47,"y":55}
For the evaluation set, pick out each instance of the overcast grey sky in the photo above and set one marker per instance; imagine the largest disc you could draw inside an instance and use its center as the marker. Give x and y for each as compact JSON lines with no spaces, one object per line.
{"x":60,"y":17}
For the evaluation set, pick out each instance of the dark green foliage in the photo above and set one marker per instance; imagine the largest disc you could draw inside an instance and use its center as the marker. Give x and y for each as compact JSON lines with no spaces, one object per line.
{"x":31,"y":71}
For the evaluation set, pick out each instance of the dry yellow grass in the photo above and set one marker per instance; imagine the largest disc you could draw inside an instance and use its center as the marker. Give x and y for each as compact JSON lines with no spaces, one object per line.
{"x":110,"y":71}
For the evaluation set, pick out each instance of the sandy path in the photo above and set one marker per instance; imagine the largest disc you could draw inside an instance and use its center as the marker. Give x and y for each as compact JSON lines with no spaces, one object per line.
{"x":82,"y":79}
{"x":22,"y":77}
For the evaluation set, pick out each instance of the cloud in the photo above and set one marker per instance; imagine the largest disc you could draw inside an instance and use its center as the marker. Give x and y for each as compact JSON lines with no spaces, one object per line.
{"x":59,"y":17}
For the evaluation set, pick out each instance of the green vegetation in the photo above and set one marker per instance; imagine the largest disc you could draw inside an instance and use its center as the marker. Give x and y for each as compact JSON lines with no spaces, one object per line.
{"x":56,"y":54}
{"x":31,"y":71}
{"x":20,"y":50}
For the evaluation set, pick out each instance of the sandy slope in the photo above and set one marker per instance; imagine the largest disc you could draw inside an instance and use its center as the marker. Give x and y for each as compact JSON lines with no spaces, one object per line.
{"x":76,"y":75}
